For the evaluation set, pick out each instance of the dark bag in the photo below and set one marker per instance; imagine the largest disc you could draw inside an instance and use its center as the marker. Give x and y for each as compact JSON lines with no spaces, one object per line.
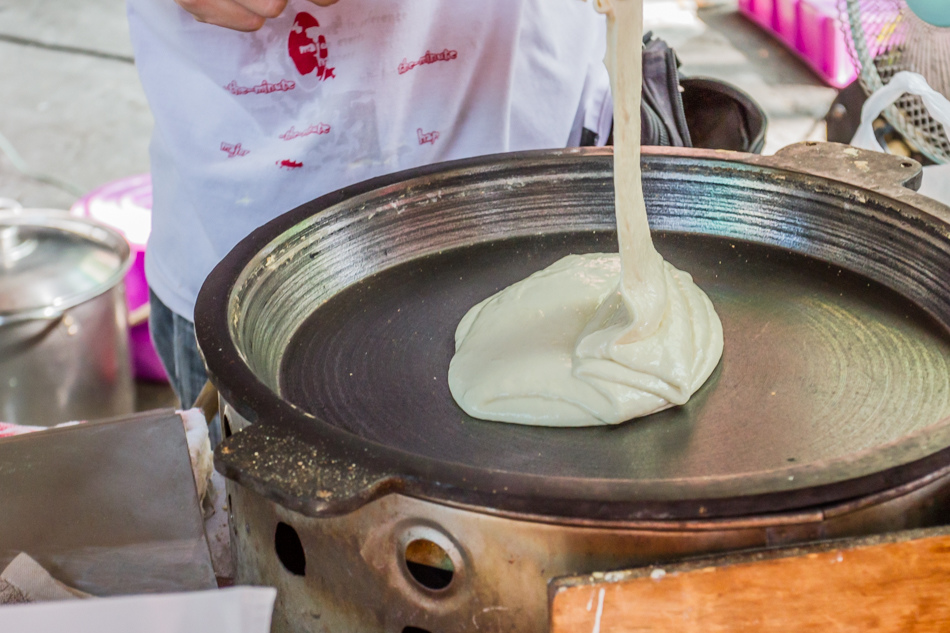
{"x":720,"y":116}
{"x":692,"y":112}
{"x":662,"y":118}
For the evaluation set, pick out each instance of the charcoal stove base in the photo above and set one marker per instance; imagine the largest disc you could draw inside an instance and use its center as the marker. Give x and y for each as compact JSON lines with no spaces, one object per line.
{"x":350,"y":573}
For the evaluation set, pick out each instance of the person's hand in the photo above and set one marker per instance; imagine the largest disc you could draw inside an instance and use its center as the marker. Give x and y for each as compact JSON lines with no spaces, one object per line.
{"x":240,"y":15}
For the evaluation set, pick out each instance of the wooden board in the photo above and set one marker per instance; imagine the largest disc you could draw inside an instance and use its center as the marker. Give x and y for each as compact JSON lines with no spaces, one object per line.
{"x":897,"y":582}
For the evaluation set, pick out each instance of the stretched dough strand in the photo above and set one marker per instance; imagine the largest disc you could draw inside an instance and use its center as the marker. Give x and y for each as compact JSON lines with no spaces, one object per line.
{"x":593,"y":339}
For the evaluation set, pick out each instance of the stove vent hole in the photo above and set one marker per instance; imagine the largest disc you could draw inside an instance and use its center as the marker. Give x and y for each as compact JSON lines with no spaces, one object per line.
{"x":290,"y":550}
{"x":429,"y":565}
{"x":413,"y":629}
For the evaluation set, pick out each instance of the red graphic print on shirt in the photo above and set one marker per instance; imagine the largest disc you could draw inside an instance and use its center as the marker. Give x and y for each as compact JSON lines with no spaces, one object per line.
{"x":427,"y":137}
{"x":320,"y":128}
{"x":289,"y":164}
{"x":429,"y":58}
{"x":262,"y":88}
{"x":234,"y":149}
{"x":309,"y":55}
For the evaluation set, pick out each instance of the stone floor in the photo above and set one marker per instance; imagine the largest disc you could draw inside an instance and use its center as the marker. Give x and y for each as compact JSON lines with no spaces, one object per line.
{"x":73,"y":111}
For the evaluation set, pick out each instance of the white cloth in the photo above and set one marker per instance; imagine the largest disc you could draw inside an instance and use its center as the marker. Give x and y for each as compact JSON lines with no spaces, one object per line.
{"x":251,"y":125}
{"x":234,"y":610}
{"x":24,"y":581}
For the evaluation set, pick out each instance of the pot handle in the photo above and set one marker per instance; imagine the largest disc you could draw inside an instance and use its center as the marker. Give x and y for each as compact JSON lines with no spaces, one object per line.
{"x":9,"y":204}
{"x":46,"y":314}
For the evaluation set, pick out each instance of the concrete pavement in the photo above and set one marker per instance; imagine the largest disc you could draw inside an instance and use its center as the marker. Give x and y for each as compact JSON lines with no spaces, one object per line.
{"x":71,"y":103}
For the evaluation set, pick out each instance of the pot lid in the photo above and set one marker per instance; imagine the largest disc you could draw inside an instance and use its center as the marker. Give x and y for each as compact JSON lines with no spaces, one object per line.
{"x":50,"y":262}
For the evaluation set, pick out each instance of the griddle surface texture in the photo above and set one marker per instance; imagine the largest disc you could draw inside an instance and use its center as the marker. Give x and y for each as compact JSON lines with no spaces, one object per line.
{"x":819,"y":364}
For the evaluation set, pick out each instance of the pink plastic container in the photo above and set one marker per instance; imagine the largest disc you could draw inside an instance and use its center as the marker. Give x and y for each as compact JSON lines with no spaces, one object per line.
{"x":824,"y":45}
{"x":786,"y":24}
{"x":812,"y":30}
{"x":126,"y":205}
{"x":760,"y":11}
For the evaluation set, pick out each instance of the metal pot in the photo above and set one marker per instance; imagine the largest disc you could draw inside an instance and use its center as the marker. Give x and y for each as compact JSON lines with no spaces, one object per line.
{"x":360,"y":490}
{"x":63,"y":340}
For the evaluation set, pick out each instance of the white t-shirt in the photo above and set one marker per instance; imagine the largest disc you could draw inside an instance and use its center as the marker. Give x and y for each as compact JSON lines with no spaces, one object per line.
{"x":251,"y":125}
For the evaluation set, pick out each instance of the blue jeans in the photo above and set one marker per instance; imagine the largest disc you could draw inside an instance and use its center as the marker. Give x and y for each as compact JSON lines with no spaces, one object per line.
{"x":174,"y":338}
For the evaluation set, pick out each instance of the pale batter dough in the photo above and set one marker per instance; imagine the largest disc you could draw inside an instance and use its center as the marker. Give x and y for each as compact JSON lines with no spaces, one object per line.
{"x":593,"y":339}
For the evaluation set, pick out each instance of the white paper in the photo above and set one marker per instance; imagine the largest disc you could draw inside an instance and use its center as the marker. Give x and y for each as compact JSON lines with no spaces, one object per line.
{"x":235,"y":610}
{"x":34,"y":583}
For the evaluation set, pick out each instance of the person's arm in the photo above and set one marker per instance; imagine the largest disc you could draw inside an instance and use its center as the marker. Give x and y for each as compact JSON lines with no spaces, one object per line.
{"x":240,"y":15}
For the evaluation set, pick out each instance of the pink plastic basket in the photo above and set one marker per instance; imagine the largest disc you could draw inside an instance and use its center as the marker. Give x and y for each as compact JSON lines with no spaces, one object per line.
{"x":824,"y":42}
{"x":760,"y":11}
{"x":787,"y":21}
{"x":812,"y":30}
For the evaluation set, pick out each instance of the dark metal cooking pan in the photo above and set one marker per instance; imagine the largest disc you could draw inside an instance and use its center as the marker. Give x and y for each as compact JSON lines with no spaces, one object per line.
{"x":330,"y":330}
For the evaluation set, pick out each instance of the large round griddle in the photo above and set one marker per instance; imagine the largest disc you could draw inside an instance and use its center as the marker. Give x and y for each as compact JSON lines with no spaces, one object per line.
{"x":332,"y":329}
{"x":820,"y":364}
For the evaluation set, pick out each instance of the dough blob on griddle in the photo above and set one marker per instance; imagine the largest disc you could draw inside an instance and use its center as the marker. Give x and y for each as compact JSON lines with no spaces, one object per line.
{"x":593,"y":339}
